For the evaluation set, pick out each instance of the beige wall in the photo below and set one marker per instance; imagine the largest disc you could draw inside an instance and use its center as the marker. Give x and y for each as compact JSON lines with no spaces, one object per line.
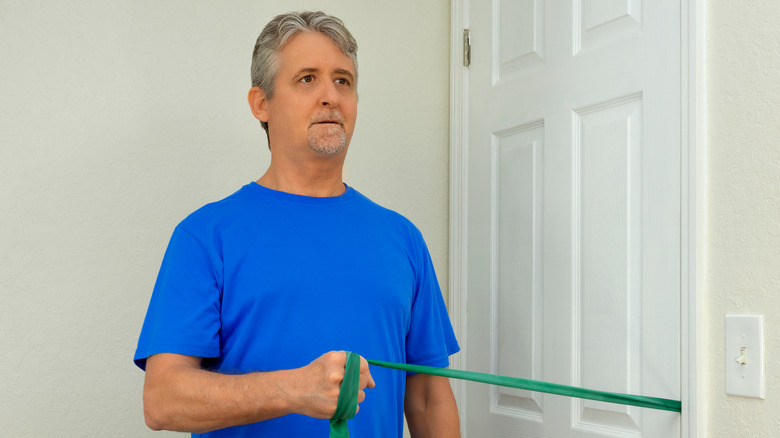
{"x":742,"y":254}
{"x":119,"y":118}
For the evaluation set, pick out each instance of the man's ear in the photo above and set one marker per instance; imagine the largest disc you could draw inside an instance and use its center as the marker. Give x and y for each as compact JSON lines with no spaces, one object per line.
{"x":258,"y":103}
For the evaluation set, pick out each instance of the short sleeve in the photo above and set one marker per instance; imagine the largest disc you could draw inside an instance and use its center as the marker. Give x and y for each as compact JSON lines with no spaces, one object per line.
{"x":430,"y":340}
{"x":184,"y":312}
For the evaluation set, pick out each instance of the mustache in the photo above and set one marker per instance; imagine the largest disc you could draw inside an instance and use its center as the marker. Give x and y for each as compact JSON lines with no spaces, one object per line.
{"x":327,"y":116}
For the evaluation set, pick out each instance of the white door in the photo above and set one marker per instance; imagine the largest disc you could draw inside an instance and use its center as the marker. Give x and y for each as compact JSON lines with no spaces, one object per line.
{"x":573,"y":207}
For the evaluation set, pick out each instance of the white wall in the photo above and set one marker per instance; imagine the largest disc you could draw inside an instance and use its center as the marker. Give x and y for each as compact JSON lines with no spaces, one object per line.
{"x":742,"y":254}
{"x":119,"y":118}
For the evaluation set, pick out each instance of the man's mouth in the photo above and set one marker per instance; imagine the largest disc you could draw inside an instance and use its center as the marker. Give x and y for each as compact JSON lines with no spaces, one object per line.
{"x":323,"y":120}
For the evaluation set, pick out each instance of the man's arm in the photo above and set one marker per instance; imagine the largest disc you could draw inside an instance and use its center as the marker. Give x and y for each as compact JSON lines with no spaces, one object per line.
{"x":430,"y":407}
{"x":179,"y":395}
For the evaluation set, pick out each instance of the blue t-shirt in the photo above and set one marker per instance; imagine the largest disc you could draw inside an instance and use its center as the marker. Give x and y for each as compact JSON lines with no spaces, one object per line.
{"x":265,"y":280}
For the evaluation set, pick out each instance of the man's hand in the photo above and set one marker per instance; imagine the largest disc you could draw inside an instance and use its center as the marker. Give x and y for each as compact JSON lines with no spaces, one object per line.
{"x":320,"y":384}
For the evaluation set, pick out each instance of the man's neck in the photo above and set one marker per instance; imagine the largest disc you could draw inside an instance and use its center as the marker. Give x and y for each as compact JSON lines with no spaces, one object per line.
{"x":315,"y":180}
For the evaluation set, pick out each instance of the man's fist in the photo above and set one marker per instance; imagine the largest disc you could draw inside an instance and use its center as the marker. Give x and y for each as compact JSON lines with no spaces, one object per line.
{"x":319,"y":384}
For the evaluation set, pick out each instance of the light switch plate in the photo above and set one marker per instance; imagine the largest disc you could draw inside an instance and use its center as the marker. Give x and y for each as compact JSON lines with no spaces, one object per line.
{"x":745,"y":373}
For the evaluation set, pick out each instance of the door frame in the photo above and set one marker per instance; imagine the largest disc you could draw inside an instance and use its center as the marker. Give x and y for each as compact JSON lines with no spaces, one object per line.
{"x":693,"y":137}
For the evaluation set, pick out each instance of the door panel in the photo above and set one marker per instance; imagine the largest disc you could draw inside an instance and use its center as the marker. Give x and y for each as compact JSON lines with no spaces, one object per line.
{"x":517,"y":298}
{"x":573,"y":203}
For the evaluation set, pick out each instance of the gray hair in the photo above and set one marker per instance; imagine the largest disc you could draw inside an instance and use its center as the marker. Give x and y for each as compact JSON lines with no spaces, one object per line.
{"x":265,"y":57}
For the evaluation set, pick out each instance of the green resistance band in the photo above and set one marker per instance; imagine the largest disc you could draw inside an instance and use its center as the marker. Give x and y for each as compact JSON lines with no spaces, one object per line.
{"x":346,"y":406}
{"x":535,"y":385}
{"x":514,"y":382}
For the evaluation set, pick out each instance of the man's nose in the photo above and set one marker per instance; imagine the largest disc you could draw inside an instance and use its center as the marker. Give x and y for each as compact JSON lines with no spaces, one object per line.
{"x":330,"y":95}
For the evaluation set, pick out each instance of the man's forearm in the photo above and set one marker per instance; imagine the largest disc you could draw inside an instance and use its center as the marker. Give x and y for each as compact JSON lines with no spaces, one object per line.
{"x":180,"y":396}
{"x":430,"y":407}
{"x":188,"y":399}
{"x":438,"y":421}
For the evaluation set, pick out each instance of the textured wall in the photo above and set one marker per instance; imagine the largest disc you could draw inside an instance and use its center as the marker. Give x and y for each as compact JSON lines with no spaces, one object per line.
{"x":743,"y":202}
{"x":119,"y":118}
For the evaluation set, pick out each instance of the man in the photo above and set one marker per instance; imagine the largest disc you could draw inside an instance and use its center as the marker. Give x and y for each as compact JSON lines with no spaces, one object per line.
{"x":259,"y":293}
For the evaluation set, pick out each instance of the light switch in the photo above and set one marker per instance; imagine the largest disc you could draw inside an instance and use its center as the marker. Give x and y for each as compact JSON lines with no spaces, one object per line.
{"x":745,"y":355}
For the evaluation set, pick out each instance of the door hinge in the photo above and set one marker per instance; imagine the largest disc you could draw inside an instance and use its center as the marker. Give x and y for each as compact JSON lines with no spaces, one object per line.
{"x":466,"y":48}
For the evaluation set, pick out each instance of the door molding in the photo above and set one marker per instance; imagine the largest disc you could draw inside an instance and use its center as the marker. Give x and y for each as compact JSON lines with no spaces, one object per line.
{"x":693,"y":141}
{"x":458,"y":183}
{"x":693,"y":133}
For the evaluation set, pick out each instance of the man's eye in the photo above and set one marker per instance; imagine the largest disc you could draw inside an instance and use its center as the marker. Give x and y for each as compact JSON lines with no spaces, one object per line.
{"x":342,"y":81}
{"x":307,"y":78}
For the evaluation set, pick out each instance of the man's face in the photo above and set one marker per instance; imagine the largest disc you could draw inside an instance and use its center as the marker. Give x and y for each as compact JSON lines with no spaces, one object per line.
{"x":314,"y":105}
